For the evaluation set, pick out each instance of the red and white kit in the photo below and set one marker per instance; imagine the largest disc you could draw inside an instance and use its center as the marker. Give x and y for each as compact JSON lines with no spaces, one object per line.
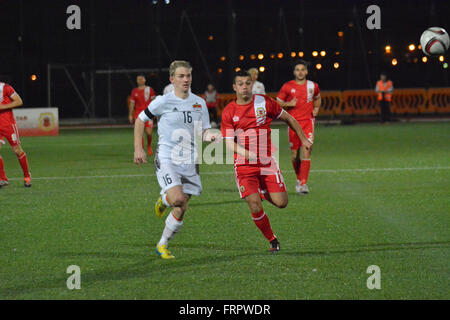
{"x":8,"y":126}
{"x":303,"y":110}
{"x":249,"y":126}
{"x":141,"y":99}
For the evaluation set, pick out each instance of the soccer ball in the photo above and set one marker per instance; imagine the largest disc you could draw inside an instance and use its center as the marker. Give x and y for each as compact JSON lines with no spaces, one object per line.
{"x":434,"y":41}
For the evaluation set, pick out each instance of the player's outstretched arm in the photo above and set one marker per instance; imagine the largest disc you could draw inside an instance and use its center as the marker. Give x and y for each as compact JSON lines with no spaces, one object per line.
{"x":16,"y":102}
{"x":139,"y":153}
{"x":233,"y":146}
{"x":212,"y":135}
{"x":293,"y":124}
{"x":289,"y":104}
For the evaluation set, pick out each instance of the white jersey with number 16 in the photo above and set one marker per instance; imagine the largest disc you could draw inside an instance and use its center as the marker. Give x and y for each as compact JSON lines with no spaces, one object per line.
{"x":177,"y":119}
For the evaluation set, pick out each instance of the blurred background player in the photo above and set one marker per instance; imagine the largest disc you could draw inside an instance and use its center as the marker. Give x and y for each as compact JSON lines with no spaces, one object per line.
{"x":177,"y":172}
{"x":301,"y":98}
{"x":384,"y":89}
{"x":258,"y":87}
{"x":211,"y":96}
{"x":139,"y":100}
{"x":10,"y":99}
{"x":246,"y":130}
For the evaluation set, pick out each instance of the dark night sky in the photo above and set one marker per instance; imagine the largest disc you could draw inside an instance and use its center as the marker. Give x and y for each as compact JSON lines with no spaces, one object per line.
{"x":122,"y":33}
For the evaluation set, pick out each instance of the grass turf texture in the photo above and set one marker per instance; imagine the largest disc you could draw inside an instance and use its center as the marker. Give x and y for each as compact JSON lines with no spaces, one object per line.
{"x":396,"y":219}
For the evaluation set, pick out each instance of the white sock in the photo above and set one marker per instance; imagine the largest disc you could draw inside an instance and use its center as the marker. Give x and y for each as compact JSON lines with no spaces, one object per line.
{"x":172,"y":227}
{"x":164,"y":200}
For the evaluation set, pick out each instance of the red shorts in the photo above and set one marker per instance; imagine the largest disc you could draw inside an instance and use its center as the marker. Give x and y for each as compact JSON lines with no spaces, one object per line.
{"x":256,"y":179}
{"x":211,"y":105}
{"x":10,"y":132}
{"x":308,"y":129}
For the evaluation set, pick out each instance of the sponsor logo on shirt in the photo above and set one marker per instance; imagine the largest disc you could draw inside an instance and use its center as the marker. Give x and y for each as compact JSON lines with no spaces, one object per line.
{"x":235,"y":119}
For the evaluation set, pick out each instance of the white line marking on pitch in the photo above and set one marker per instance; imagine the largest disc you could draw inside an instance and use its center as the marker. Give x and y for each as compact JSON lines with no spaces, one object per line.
{"x":231,"y":173}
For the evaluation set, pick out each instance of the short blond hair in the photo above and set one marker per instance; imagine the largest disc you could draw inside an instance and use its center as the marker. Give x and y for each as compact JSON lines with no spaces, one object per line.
{"x":178,"y":64}
{"x":253,"y":71}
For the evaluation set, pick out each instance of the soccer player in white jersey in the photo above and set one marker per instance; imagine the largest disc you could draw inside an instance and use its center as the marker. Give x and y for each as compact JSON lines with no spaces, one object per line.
{"x":179,"y":113}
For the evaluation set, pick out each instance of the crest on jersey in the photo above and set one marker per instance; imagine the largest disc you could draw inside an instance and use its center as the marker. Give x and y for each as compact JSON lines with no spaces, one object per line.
{"x":260,"y":112}
{"x":242,"y":189}
{"x":197,"y":106}
{"x":235,"y":119}
{"x":311,"y":91}
{"x":293,"y":91}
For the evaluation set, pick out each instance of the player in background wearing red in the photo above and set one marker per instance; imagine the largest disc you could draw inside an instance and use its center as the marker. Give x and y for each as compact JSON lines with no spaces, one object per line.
{"x":211,"y":96}
{"x":10,"y":99}
{"x":139,"y":100}
{"x":246,"y":130}
{"x":301,"y":98}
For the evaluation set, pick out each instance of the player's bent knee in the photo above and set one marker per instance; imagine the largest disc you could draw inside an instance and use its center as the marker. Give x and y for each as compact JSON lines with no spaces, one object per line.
{"x":282,"y":204}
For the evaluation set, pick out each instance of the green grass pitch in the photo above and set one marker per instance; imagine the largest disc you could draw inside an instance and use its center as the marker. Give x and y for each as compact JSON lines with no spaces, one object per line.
{"x":90,"y":206}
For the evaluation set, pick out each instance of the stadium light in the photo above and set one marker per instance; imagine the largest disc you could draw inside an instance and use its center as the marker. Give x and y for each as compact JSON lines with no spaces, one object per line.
{"x":262,"y":69}
{"x":445,"y":65}
{"x":424,"y":59}
{"x":33,"y":77}
{"x":237,"y":69}
{"x":441,"y":58}
{"x":219,"y":70}
{"x":340,"y":34}
{"x":260,"y":56}
{"x":336,"y":65}
{"x":301,"y":54}
{"x":252,"y":56}
{"x":293,"y":54}
{"x":211,"y":37}
{"x":419,"y":47}
{"x":222,"y":58}
{"x":387,"y":49}
{"x":394,"y":62}
{"x":338,"y":53}
{"x":241,"y":57}
{"x":323,"y":53}
{"x":315,"y":53}
{"x":280,"y":55}
{"x":411,"y":47}
{"x":272,"y":55}
{"x":318,"y":66}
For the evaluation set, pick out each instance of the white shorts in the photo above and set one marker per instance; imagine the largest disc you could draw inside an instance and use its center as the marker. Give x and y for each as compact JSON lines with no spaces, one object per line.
{"x":170,"y":175}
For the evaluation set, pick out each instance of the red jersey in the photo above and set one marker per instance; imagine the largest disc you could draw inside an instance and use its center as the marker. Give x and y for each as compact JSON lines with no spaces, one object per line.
{"x":142,"y":98}
{"x":249,"y":126}
{"x":6,"y":93}
{"x":305,"y":94}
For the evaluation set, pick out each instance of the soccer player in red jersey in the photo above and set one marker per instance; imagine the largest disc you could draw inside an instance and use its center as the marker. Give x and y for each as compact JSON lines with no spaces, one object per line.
{"x":301,"y":99}
{"x":139,"y":101}
{"x":10,"y":99}
{"x":246,"y":130}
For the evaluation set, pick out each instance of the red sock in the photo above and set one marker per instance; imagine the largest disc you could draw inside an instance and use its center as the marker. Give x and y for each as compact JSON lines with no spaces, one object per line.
{"x":24,"y":164}
{"x":296,"y":165}
{"x":305,"y":165}
{"x":2,"y":170}
{"x":262,"y":222}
